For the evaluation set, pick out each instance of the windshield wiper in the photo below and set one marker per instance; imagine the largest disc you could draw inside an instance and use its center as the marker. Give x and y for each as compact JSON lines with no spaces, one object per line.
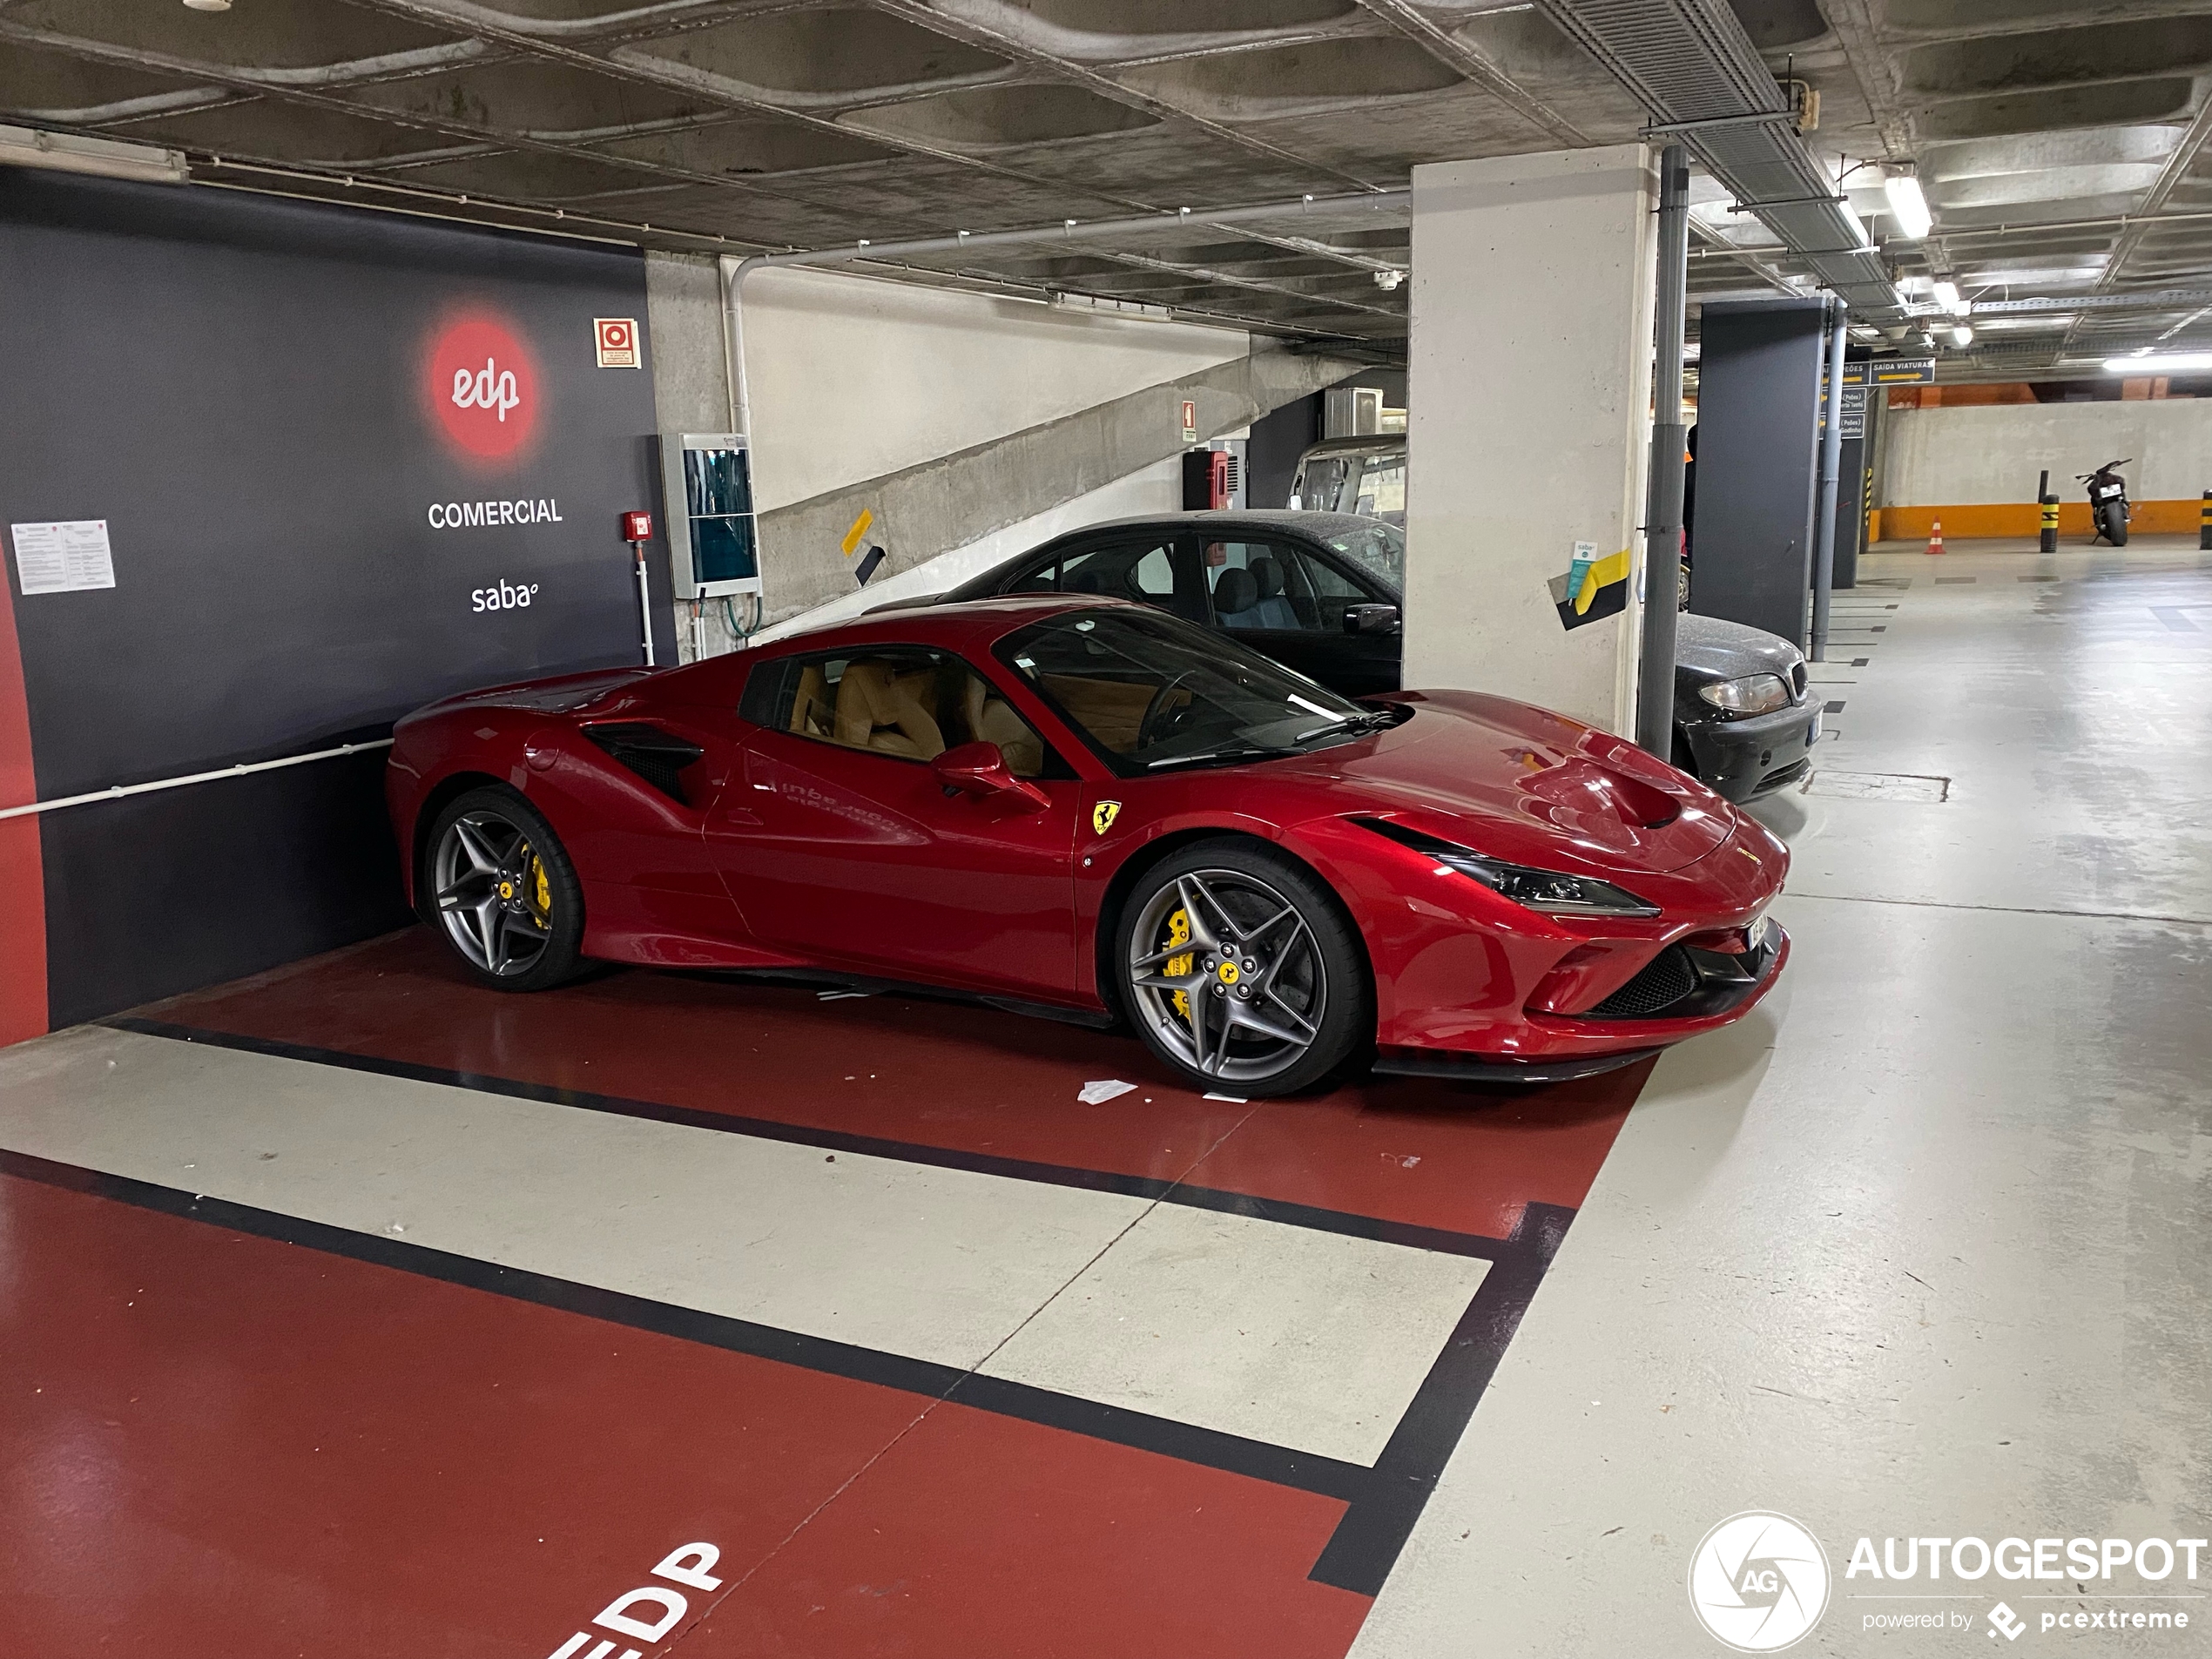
{"x":1374,"y":721}
{"x":1243,"y":751}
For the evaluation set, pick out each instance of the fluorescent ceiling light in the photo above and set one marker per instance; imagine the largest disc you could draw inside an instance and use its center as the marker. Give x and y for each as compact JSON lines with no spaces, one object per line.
{"x":1962,"y":335}
{"x":27,"y":147}
{"x":1907,"y":205}
{"x":1946,"y":294}
{"x":2172,"y":362}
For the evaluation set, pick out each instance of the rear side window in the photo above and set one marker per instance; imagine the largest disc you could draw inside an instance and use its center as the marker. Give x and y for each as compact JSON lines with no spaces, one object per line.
{"x":765,"y":692}
{"x":1140,"y":569}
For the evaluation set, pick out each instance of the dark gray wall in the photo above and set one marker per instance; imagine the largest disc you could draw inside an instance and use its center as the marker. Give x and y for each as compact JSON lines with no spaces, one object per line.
{"x":1758,"y":415}
{"x":1279,"y":437}
{"x":1850,"y":510}
{"x":248,"y":391}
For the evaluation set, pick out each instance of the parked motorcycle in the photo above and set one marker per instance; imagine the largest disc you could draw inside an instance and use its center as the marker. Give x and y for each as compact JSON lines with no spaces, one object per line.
{"x":2108,"y":509}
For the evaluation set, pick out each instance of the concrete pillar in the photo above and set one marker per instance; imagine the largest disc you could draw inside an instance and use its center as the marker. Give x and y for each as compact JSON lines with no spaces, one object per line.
{"x":1529,"y":388}
{"x":691,"y":394}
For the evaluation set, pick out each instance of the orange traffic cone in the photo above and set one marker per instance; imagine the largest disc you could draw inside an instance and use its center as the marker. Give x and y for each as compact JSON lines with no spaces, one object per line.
{"x":1935,"y":536}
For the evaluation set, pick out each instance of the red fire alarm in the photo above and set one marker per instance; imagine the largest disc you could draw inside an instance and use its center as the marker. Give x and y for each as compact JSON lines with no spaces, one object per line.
{"x":637,"y":526}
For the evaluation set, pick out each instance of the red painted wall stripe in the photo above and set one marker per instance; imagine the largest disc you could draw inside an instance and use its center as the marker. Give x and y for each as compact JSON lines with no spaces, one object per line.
{"x":23,"y":881}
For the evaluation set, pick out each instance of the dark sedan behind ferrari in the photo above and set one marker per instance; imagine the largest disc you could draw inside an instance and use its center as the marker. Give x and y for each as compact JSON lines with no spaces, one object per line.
{"x":1323,"y":593}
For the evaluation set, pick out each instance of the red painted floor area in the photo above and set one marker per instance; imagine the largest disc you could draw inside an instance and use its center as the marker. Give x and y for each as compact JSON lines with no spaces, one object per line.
{"x":217,"y":1447}
{"x":945,"y":1074}
{"x":216,"y":1443}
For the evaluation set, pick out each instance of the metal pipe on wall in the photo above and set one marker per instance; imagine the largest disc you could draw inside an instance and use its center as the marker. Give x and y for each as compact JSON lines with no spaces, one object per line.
{"x":1832,"y":444}
{"x":1663,"y":491}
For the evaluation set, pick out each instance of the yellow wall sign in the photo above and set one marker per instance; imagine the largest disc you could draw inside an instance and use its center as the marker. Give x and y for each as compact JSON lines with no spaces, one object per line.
{"x":859,"y":529}
{"x":1603,"y":591}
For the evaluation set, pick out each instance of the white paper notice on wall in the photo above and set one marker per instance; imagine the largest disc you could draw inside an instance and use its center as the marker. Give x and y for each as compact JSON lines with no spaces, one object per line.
{"x":67,"y":557}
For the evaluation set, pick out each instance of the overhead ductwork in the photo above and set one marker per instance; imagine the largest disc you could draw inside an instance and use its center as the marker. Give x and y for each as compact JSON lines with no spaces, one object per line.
{"x":1693,"y":67}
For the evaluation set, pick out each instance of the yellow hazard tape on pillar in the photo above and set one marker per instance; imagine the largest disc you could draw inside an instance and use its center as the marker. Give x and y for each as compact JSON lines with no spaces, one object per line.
{"x":859,"y":529}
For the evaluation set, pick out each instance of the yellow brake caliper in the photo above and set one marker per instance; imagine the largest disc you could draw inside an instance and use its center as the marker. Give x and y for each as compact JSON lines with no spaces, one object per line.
{"x":541,"y":893}
{"x":1179,"y":933}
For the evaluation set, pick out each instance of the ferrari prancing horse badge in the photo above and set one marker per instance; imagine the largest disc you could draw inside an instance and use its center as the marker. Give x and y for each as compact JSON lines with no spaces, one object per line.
{"x":1103,"y":815}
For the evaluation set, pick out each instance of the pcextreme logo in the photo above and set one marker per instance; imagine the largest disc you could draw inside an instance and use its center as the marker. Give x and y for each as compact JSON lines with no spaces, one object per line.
{"x":481,"y":384}
{"x":1758,"y":1582}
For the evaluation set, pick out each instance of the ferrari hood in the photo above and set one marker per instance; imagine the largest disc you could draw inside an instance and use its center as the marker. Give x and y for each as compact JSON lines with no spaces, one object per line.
{"x":1527,"y":786}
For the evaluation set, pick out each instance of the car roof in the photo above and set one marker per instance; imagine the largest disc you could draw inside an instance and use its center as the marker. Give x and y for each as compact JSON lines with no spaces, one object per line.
{"x":1364,"y":443}
{"x":1317,"y":524}
{"x":965,"y":625}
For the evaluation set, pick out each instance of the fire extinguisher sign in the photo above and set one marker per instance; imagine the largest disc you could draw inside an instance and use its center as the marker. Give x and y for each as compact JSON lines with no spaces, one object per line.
{"x":616,"y":338}
{"x":1189,"y":422}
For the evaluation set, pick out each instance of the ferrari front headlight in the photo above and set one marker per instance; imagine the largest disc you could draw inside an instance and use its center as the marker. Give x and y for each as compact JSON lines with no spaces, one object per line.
{"x":1753,"y":694}
{"x":1554,"y":892}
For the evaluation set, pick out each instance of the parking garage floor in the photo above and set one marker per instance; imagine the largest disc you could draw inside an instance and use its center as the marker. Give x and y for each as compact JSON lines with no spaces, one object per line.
{"x":354,"y":1310}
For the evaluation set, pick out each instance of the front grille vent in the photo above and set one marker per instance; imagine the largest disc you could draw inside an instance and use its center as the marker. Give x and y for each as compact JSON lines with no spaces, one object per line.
{"x":1798,"y":682}
{"x":1666,"y":979}
{"x":659,"y":757}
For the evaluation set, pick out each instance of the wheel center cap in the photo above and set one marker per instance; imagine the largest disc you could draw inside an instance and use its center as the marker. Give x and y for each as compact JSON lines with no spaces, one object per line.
{"x":507,"y":889}
{"x":1230,"y":973}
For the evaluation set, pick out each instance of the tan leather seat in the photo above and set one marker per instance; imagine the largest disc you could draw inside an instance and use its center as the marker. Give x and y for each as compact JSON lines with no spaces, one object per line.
{"x":881,"y":710}
{"x":1111,"y":711}
{"x":991,"y":719}
{"x":811,"y":715}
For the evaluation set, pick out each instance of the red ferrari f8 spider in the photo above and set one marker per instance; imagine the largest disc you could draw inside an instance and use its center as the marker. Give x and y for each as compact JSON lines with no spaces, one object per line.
{"x":1088,"y":809}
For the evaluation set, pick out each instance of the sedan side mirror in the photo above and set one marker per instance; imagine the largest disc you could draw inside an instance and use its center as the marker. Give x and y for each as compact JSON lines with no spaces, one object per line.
{"x":979,"y":771}
{"x":1371,"y":619}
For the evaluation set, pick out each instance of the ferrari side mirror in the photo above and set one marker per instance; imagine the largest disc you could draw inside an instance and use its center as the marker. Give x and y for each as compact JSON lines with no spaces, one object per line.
{"x":1371,"y":619}
{"x":979,"y":771}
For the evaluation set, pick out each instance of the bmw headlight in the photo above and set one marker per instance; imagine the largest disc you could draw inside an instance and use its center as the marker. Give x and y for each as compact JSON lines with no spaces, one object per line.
{"x":1753,"y":694}
{"x":1554,"y":892}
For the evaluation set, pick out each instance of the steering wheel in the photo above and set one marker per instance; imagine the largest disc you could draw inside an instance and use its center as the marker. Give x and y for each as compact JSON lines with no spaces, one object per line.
{"x":1161,"y":716}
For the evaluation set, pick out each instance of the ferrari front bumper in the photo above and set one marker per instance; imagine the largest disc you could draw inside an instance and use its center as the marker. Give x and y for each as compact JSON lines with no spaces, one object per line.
{"x":1716,"y":990}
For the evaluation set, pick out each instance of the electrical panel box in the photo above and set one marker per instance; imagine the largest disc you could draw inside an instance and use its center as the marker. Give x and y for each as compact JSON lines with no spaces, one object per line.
{"x":706,"y":501}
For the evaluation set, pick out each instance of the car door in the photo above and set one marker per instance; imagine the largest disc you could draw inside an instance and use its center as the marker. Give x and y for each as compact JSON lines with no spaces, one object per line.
{"x":846,"y":847}
{"x":1287,"y":602}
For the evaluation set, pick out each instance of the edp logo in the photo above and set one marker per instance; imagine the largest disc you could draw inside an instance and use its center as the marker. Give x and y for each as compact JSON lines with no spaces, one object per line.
{"x":489,"y":387}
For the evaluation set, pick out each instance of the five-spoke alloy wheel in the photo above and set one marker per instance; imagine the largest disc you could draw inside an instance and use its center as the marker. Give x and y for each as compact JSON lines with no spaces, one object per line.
{"x":1240,"y":971}
{"x":499,"y":885}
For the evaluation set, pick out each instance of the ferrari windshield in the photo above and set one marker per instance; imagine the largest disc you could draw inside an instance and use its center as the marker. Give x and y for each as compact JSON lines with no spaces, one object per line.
{"x":1151,"y":692}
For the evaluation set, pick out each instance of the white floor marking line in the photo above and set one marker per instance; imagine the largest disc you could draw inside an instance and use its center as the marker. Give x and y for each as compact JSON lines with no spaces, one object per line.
{"x":930,"y":1263}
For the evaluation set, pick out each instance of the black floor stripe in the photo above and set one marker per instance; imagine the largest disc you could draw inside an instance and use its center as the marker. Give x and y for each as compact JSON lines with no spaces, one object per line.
{"x":1383,"y":1503}
{"x":1134,"y":1186}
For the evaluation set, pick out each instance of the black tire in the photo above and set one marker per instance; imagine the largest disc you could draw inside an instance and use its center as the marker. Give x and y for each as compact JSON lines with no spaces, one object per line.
{"x":1293,"y":1001}
{"x":497,"y":886}
{"x":2112,"y":524}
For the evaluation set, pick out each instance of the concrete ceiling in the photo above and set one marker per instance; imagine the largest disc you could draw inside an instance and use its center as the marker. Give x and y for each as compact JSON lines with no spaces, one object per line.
{"x":2059,"y":142}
